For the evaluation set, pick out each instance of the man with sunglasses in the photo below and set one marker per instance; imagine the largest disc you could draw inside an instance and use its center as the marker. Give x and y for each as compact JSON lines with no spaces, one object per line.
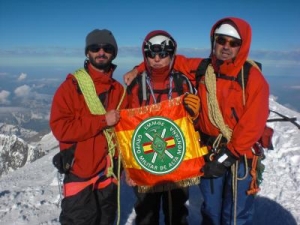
{"x":84,"y":110}
{"x":159,"y":49}
{"x":231,"y":120}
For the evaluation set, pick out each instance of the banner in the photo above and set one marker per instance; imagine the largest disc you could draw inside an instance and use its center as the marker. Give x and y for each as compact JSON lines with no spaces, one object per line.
{"x":158,"y":144}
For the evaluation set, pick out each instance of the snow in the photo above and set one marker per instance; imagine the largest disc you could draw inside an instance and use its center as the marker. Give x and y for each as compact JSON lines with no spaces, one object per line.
{"x":30,"y":195}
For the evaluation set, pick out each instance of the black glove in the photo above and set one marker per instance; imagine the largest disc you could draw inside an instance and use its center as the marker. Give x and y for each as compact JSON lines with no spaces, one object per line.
{"x":213,"y":169}
{"x":64,"y":160}
{"x":221,"y":162}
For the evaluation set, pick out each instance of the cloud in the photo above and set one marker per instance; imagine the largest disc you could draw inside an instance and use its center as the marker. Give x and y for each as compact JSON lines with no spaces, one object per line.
{"x":4,"y":96}
{"x":295,"y":87}
{"x":22,"y":76}
{"x":22,"y":91}
{"x":3,"y":73}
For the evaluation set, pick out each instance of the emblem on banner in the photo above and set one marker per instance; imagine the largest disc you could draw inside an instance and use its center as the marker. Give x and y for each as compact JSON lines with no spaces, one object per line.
{"x":158,"y":145}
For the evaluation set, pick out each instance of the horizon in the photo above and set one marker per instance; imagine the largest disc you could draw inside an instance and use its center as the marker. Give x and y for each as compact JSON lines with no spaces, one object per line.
{"x":38,"y":37}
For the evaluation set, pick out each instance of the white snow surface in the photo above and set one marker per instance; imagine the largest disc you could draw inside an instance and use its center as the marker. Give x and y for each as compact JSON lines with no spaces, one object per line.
{"x":31,"y":195}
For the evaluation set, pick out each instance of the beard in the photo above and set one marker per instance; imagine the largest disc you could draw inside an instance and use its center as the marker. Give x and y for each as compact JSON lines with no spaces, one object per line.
{"x":102,"y":65}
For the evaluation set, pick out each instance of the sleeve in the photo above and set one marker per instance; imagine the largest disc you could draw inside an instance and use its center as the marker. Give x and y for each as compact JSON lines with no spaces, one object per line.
{"x":70,"y":120}
{"x":187,"y":66}
{"x":140,"y":68}
{"x":251,"y":125}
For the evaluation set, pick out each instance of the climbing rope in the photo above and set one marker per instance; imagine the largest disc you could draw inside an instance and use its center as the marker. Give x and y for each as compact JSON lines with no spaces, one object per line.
{"x":95,"y":106}
{"x":214,"y":112}
{"x":216,"y":118}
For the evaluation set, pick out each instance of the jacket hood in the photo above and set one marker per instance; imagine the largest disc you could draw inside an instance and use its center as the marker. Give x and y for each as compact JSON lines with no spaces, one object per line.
{"x":233,"y":66}
{"x":151,"y":35}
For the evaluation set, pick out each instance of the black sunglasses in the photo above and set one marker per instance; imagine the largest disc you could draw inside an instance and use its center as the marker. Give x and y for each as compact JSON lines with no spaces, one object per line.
{"x":221,"y":40}
{"x":108,"y":48}
{"x":162,"y":54}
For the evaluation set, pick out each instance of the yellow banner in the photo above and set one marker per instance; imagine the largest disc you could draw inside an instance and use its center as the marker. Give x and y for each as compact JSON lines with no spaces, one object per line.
{"x":158,"y":143}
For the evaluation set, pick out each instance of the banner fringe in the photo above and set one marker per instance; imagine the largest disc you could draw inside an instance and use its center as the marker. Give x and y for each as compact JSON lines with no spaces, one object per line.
{"x":169,"y":186}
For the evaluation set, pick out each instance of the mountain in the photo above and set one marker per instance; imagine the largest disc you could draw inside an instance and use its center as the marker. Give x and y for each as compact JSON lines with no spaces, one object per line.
{"x":15,"y":151}
{"x":30,"y":195}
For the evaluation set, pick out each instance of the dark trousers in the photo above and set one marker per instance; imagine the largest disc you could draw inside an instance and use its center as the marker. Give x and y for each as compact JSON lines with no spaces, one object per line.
{"x":89,"y":207}
{"x":147,"y":207}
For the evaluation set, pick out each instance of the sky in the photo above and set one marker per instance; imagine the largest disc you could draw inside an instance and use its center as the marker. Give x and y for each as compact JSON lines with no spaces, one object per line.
{"x":30,"y":195}
{"x":47,"y":37}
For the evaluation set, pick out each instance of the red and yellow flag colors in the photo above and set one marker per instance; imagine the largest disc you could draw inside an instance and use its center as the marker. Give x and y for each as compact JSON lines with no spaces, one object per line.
{"x":158,"y":144}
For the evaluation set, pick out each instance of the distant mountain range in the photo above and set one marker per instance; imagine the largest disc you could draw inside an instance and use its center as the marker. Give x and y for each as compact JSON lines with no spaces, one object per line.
{"x":31,"y":194}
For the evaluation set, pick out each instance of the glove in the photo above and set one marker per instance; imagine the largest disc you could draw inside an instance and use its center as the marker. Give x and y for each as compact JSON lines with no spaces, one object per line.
{"x":213,"y":169}
{"x":226,"y":157}
{"x":64,"y":160}
{"x":191,"y":104}
{"x":221,"y":162}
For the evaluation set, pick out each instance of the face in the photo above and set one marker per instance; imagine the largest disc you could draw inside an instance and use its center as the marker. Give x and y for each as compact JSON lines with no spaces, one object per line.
{"x":100,"y":56}
{"x":158,"y":60}
{"x":226,"y":47}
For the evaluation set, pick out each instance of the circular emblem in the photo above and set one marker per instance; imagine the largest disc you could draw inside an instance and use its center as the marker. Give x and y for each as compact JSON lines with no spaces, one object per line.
{"x":158,"y":145}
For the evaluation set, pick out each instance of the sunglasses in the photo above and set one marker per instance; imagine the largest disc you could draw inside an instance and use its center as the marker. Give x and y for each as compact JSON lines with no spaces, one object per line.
{"x":162,"y":54}
{"x":232,"y":43}
{"x":108,"y":48}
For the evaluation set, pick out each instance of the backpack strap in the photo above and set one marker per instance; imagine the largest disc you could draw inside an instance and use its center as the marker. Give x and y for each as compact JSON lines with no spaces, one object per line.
{"x":200,"y":71}
{"x":179,"y":80}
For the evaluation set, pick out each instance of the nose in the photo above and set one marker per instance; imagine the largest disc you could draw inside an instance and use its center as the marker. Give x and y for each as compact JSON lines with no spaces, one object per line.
{"x":101,"y":51}
{"x":227,"y":44}
{"x":156,"y":58}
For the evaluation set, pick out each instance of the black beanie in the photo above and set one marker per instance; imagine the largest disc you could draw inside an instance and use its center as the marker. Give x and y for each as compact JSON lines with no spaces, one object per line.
{"x":101,"y":37}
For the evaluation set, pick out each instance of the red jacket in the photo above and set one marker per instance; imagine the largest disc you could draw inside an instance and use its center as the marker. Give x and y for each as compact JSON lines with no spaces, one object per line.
{"x":72,"y":123}
{"x":159,"y":82}
{"x":252,"y":116}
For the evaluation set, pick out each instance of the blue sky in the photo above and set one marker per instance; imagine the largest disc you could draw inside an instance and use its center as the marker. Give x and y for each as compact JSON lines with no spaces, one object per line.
{"x":46,"y":38}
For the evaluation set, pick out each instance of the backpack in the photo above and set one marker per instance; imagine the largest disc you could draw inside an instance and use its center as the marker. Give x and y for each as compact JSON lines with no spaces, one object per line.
{"x":179,"y":80}
{"x":266,"y":139}
{"x":247,"y":66}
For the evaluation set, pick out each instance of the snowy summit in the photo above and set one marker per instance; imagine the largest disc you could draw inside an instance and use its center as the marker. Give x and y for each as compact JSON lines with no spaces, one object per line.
{"x":30,"y":195}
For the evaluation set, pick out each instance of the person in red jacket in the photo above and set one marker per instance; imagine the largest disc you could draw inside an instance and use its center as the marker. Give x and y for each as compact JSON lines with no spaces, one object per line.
{"x":231,"y":120}
{"x":161,"y":83}
{"x":84,"y":108}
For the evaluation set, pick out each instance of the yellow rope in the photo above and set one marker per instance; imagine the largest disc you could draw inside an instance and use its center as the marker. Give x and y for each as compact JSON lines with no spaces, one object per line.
{"x":214,"y":112}
{"x":216,"y":118}
{"x":95,"y":106}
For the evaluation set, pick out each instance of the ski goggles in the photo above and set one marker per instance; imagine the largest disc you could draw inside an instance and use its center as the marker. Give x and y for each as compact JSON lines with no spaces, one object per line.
{"x":162,"y":54}
{"x":221,"y":40}
{"x":108,"y":48}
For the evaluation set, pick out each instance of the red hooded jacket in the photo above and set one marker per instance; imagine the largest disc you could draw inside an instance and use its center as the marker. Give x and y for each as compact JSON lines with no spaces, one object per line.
{"x":72,"y":123}
{"x":252,"y":116}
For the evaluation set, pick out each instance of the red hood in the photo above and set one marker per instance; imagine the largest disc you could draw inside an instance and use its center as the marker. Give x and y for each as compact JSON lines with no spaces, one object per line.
{"x":149,"y":36}
{"x":232,"y":67}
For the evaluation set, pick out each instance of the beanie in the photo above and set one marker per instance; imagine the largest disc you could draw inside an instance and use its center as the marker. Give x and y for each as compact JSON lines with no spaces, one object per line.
{"x":101,"y":37}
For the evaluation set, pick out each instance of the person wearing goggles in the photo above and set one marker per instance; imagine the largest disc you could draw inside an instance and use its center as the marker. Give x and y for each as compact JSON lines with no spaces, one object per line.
{"x":84,"y":108}
{"x":232,"y":119}
{"x":159,"y":49}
